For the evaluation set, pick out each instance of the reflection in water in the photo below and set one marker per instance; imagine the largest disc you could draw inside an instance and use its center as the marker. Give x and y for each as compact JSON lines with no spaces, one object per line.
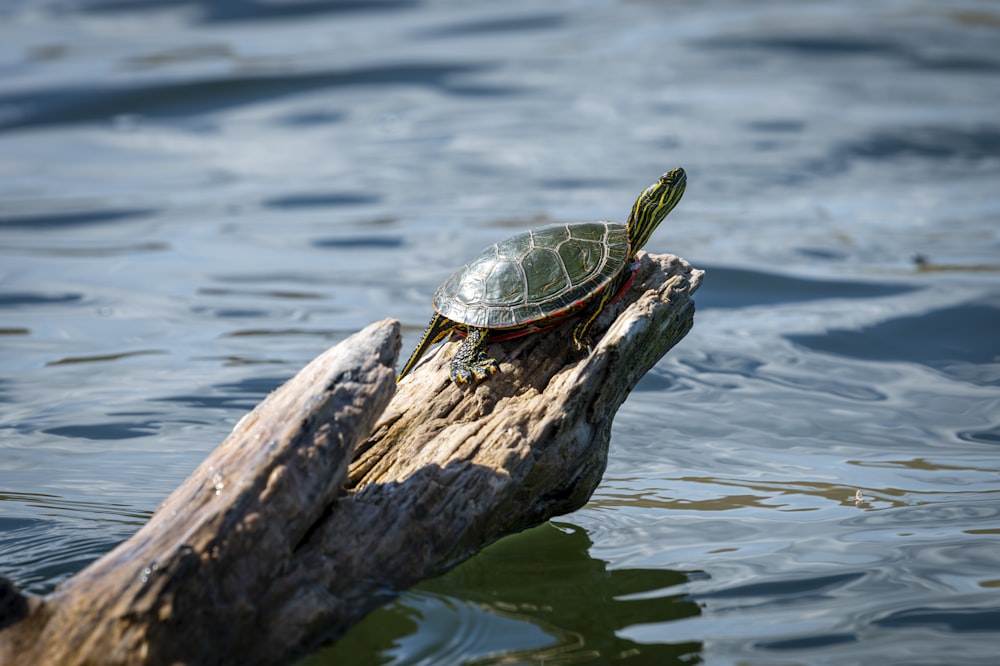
{"x":537,"y":597}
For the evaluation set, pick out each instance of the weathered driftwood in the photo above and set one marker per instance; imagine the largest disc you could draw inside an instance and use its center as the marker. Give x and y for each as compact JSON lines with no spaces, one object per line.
{"x":274,"y":545}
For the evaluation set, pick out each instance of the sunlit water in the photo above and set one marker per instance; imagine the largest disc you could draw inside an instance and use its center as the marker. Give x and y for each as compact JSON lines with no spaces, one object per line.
{"x":196,"y":198}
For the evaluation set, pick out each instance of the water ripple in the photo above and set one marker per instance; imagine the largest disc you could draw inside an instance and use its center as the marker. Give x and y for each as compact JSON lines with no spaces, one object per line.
{"x":740,"y":288}
{"x":38,"y":555}
{"x":64,"y":536}
{"x":321,"y":200}
{"x":107,"y":431}
{"x":165,"y":99}
{"x":950,"y":618}
{"x":18,"y":299}
{"x":65,"y":219}
{"x":498,"y":26}
{"x":950,"y":339}
{"x":210,"y":11}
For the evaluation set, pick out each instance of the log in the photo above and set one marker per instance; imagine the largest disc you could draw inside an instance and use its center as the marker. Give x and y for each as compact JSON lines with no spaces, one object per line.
{"x":329,"y":498}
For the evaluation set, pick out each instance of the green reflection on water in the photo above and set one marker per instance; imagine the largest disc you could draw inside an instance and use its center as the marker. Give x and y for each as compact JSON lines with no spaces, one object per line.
{"x":535,"y":597}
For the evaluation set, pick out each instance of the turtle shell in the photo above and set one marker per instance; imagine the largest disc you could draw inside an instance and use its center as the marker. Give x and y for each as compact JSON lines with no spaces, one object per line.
{"x":535,"y":276}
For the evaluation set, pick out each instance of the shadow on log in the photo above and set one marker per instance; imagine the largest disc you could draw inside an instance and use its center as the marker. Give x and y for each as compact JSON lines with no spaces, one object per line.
{"x":334,"y":493}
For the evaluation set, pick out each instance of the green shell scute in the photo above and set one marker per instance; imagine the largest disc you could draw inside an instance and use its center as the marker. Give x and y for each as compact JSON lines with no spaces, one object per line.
{"x":504,"y":285}
{"x":514,"y":248}
{"x":533,"y":275}
{"x":590,"y":232}
{"x":545,"y":275}
{"x":550,"y":237}
{"x":581,"y":258}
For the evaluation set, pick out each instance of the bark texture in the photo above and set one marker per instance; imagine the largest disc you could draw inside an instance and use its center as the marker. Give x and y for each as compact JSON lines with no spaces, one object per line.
{"x":328,"y":498}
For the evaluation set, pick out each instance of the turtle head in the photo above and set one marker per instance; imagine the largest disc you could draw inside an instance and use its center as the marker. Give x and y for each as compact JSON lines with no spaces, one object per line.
{"x":653,"y":205}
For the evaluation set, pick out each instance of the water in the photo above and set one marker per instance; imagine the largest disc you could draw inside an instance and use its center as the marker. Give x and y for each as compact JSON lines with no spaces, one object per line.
{"x":196,"y":198}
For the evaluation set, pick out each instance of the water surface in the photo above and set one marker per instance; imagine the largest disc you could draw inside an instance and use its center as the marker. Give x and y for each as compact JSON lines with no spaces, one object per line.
{"x":196,"y":198}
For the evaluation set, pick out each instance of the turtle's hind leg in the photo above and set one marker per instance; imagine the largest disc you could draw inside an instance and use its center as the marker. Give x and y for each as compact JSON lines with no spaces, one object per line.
{"x":437,"y":328}
{"x":471,"y":362}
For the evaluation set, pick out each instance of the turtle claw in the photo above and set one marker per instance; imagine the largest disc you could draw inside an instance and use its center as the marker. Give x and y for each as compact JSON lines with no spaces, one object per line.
{"x":487,"y":369}
{"x":460,"y":375}
{"x":476,"y":371}
{"x":581,"y":336}
{"x":471,"y":364}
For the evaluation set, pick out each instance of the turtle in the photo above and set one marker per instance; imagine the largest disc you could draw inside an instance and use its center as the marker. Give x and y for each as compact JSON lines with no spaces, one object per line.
{"x":541,"y":277}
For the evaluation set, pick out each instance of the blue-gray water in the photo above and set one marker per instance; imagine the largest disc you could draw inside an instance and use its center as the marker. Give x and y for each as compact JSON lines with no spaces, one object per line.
{"x":198,"y":197}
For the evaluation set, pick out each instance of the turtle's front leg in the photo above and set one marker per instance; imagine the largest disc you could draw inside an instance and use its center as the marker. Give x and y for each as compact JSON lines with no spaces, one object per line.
{"x":581,"y":332}
{"x":471,"y":362}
